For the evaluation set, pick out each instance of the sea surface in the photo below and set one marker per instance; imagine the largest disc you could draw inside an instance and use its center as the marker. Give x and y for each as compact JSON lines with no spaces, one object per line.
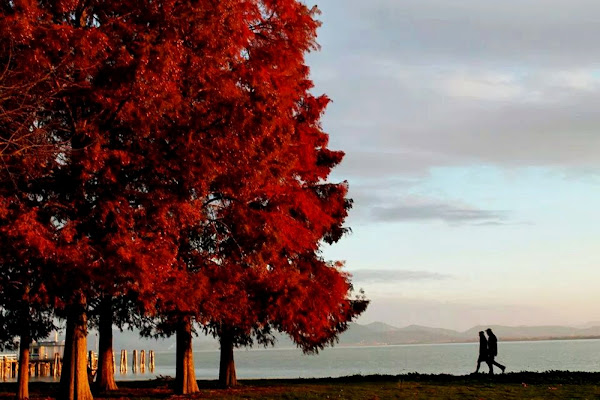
{"x":455,"y":359}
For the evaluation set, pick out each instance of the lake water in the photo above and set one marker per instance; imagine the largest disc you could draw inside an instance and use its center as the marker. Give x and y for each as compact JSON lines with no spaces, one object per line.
{"x":455,"y":359}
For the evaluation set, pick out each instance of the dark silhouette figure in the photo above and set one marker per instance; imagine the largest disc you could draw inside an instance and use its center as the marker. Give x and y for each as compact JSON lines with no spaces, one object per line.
{"x":493,"y":351}
{"x":483,"y":351}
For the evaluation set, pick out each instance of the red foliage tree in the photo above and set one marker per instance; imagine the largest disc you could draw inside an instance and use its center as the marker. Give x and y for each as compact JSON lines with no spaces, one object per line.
{"x":27,"y":154}
{"x":271,"y":212}
{"x":269,"y":274}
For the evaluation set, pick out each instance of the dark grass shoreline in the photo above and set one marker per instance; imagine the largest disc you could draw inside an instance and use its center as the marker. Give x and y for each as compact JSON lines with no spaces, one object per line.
{"x":517,"y":385}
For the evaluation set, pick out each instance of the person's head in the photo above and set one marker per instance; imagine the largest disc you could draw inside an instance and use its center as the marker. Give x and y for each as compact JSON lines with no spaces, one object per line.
{"x":489,"y":331}
{"x":481,"y":334}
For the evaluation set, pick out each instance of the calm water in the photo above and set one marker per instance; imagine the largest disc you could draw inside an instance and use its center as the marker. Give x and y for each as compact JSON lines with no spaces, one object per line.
{"x":456,"y":359}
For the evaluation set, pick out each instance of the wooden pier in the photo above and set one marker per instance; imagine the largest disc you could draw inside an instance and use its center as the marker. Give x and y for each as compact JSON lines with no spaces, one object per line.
{"x":43,"y":366}
{"x":9,"y":367}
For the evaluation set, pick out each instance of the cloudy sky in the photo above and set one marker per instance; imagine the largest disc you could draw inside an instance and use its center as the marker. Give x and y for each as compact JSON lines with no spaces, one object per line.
{"x":472,"y":138}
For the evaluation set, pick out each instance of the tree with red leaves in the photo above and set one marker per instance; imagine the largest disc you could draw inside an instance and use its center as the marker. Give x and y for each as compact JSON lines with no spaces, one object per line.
{"x":272,"y":207}
{"x":27,"y":155}
{"x":269,"y":274}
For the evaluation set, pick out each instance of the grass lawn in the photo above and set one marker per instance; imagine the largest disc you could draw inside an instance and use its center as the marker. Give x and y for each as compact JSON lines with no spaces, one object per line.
{"x":523,"y":385}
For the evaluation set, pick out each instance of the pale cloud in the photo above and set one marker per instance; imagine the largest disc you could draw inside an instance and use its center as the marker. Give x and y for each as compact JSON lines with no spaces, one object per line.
{"x":362,"y":276}
{"x":491,"y":87}
{"x":374,"y":165}
{"x":553,"y":32}
{"x":432,"y":83}
{"x":576,"y":79}
{"x":404,"y":211}
{"x":386,"y":204}
{"x":531,"y":122}
{"x":587,"y":175}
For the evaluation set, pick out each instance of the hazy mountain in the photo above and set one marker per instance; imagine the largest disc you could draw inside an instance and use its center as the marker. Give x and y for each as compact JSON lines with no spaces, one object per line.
{"x":590,"y":324}
{"x":379,"y":333}
{"x":380,"y":327}
{"x":536,"y":332}
{"x":422,"y":334}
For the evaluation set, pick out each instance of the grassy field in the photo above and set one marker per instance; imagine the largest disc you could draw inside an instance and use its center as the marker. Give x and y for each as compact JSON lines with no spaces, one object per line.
{"x":524,"y":385}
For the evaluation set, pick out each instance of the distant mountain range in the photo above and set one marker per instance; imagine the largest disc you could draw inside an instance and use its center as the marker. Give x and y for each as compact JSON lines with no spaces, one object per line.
{"x":378,"y":333}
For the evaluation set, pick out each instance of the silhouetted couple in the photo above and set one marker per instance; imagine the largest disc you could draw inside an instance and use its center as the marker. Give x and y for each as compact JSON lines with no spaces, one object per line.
{"x":488,"y":350}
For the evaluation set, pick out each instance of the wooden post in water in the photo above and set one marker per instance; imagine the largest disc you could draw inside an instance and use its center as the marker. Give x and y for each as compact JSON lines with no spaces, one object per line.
{"x":90,"y":360}
{"x":57,"y":365}
{"x":143,"y":361}
{"x":134,"y":362}
{"x":123,"y":361}
{"x":151,"y":360}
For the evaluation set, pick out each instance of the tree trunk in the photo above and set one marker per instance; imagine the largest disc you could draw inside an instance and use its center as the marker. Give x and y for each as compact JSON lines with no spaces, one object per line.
{"x":74,"y":383}
{"x":23,"y":380}
{"x":67,"y":354}
{"x":185,"y":378}
{"x":227,"y":377}
{"x":105,"y":380}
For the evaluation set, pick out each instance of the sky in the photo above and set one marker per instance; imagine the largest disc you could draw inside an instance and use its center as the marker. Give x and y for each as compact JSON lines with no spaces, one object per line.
{"x":472,"y":138}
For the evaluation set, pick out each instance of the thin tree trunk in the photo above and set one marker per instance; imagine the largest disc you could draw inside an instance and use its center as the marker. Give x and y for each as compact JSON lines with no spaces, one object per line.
{"x":105,"y":380}
{"x":67,"y":365}
{"x":74,"y":383}
{"x":23,"y":380}
{"x":227,"y":376}
{"x":185,"y":378}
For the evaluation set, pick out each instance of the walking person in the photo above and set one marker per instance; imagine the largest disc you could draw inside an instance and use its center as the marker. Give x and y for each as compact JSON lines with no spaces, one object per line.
{"x":483,"y":351}
{"x":493,"y":351}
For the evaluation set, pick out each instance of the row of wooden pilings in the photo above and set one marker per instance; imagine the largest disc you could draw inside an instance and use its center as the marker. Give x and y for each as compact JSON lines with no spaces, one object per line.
{"x":9,"y":364}
{"x":9,"y":367}
{"x":138,"y":361}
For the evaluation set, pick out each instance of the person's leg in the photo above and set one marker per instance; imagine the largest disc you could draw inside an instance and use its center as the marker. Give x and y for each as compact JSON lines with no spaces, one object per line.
{"x":490,"y":363}
{"x":497,"y":364}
